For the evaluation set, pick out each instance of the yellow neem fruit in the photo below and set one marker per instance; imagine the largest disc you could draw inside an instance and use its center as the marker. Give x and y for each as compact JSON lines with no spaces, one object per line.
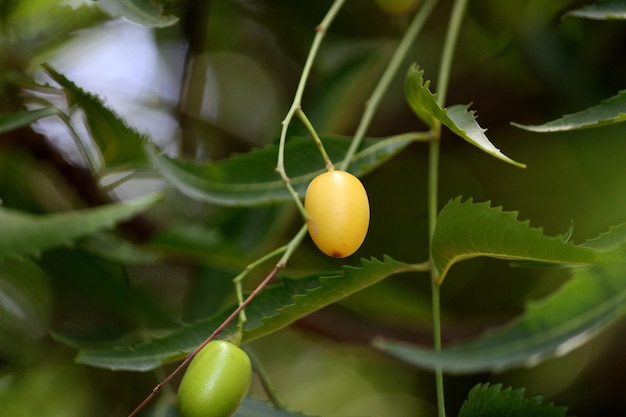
{"x":216,"y":381}
{"x":339,"y":213}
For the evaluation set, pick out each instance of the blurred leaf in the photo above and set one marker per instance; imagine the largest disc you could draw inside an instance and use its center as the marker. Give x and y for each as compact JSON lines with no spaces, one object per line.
{"x":188,"y":240}
{"x":118,"y":143}
{"x":50,"y":386}
{"x":40,"y":26}
{"x":492,"y":401}
{"x":25,"y":307}
{"x":456,"y":118}
{"x":274,"y":308}
{"x":103,"y":286}
{"x":588,"y":303}
{"x":466,"y":230}
{"x":11,"y":121}
{"x":251,"y":178}
{"x":117,"y":250}
{"x":143,"y":12}
{"x":255,"y":408}
{"x":23,"y":233}
{"x":601,"y":10}
{"x":609,"y":111}
{"x":350,"y":77}
{"x":212,"y":291}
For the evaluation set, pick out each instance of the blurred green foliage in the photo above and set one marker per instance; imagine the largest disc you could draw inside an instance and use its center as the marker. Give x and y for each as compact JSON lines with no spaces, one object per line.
{"x":218,"y":83}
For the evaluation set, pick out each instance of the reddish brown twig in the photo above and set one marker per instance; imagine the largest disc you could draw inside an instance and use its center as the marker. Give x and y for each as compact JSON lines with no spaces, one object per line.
{"x":213,"y":335}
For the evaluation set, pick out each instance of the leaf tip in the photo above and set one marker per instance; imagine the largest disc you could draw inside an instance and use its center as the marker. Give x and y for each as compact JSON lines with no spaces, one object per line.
{"x":530,"y":128}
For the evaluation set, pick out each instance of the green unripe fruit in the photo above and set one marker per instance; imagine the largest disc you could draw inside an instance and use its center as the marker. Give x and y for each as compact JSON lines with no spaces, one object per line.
{"x":339,"y":213}
{"x":216,"y":381}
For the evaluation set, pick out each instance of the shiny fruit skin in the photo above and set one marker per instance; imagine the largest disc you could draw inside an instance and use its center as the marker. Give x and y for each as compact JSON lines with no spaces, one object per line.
{"x":216,"y":381}
{"x":339,"y":213}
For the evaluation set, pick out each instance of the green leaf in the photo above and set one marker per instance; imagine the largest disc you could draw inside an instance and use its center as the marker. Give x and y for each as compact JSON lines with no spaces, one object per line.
{"x":115,"y":249}
{"x":26,"y":302}
{"x":610,"y":241}
{"x":420,"y":99}
{"x":492,"y":401}
{"x":609,"y":111}
{"x":118,"y":143}
{"x":11,"y":121}
{"x":456,"y":118}
{"x":466,"y":230}
{"x":602,"y":10}
{"x":587,"y":304}
{"x":252,"y":407}
{"x":274,"y":308}
{"x":102,"y":284}
{"x":251,"y":179}
{"x":143,"y":12}
{"x":23,"y":234}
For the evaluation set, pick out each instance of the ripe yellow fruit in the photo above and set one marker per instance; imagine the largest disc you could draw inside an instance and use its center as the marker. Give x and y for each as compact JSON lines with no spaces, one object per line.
{"x":216,"y":381}
{"x":339,"y":213}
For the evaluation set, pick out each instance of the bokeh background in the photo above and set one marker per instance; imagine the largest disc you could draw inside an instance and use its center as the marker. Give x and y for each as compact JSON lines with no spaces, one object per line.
{"x":219,"y":82}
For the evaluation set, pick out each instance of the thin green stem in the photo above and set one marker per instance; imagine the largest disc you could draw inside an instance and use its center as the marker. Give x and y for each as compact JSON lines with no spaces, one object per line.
{"x":452,"y":35}
{"x":292,"y":245}
{"x":266,"y":383}
{"x":84,"y":150}
{"x":125,"y":177}
{"x":421,"y":267}
{"x":243,"y":274}
{"x":390,"y":72}
{"x":297,"y":100}
{"x":286,"y":250}
{"x":433,"y":187}
{"x":433,"y":182}
{"x":436,"y":307}
{"x":316,"y":138}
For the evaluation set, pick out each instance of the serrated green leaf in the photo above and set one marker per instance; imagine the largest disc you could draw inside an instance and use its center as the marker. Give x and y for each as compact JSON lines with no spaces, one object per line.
{"x":602,"y":10}
{"x":11,"y":121}
{"x":118,"y":143}
{"x":23,"y":234}
{"x":466,"y":230}
{"x":486,"y":400}
{"x":609,"y":111}
{"x":251,"y":179}
{"x":463,"y":122}
{"x":420,"y":99}
{"x":143,"y":12}
{"x":583,"y":307}
{"x":268,"y":317}
{"x":614,"y":238}
{"x":274,"y":308}
{"x":456,"y":118}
